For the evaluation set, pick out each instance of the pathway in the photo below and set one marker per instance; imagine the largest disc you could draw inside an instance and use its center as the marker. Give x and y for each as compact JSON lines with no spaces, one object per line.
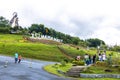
{"x":26,"y":70}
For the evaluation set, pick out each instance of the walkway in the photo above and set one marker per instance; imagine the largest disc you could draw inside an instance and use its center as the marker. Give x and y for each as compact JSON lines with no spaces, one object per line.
{"x":26,"y":70}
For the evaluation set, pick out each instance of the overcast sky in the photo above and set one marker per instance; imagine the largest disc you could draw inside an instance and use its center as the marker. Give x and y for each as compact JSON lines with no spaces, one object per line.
{"x":82,"y":18}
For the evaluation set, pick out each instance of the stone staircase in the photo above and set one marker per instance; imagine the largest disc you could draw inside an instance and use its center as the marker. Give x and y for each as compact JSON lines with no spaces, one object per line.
{"x":75,"y":71}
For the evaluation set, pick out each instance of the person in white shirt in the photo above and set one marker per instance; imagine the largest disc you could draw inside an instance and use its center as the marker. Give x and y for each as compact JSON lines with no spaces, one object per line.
{"x":104,"y":56}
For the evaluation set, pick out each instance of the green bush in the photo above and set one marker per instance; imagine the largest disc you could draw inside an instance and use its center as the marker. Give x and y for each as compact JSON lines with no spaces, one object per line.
{"x":4,"y":30}
{"x":119,"y":68}
{"x":80,"y":62}
{"x":116,"y":61}
{"x":101,"y":63}
{"x":63,"y":63}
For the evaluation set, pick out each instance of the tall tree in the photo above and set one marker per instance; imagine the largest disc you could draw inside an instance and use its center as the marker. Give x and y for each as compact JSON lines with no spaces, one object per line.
{"x":75,"y":40}
{"x":4,"y":25}
{"x":95,"y":42}
{"x":35,"y":27}
{"x":4,"y":22}
{"x":42,"y":28}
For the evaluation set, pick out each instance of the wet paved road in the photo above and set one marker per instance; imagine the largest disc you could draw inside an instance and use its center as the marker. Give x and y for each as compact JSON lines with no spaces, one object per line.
{"x":23,"y":71}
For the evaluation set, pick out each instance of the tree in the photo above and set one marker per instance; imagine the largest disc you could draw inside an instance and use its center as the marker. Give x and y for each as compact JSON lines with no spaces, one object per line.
{"x":40,"y":34}
{"x":116,"y":48}
{"x":75,"y":40}
{"x":24,"y":31}
{"x":95,"y":42}
{"x":68,"y":39}
{"x":4,"y":22}
{"x":82,"y":43}
{"x":34,"y":27}
{"x":42,"y":28}
{"x":4,"y":25}
{"x":55,"y":34}
{"x":46,"y":31}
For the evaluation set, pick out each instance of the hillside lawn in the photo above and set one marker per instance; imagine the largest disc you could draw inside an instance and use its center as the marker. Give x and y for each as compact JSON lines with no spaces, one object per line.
{"x":11,"y":43}
{"x":73,"y":52}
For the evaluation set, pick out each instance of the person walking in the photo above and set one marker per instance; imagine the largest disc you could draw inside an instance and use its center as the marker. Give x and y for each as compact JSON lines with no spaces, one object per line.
{"x":90,"y":59}
{"x":100,"y":57}
{"x":104,"y":56}
{"x":94,"y":58}
{"x":16,"y":57}
{"x":19,"y":58}
{"x":86,"y":57}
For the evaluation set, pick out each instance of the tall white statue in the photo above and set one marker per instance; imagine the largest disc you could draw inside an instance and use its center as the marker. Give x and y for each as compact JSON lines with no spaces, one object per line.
{"x":14,"y":21}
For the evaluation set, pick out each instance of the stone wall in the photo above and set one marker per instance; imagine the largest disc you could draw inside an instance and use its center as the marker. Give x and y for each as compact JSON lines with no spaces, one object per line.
{"x":99,"y":75}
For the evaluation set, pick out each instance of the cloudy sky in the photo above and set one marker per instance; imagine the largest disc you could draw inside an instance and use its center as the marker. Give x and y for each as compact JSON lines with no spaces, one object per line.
{"x":82,"y":18}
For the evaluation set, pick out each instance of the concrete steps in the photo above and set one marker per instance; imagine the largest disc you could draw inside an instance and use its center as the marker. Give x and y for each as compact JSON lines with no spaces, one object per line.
{"x":75,"y":71}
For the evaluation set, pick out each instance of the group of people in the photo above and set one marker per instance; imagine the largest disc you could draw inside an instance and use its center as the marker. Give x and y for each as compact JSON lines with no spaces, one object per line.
{"x":92,"y":59}
{"x":101,"y":56}
{"x":17,"y":58}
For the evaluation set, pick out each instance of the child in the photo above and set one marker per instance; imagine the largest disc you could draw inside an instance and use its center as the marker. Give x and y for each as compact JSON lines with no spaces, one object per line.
{"x":16,"y":57}
{"x":19,"y":58}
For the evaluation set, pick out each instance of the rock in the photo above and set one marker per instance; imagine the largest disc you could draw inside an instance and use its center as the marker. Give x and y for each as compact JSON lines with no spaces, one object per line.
{"x":108,"y":70}
{"x":61,"y":72}
{"x":5,"y":66}
{"x":116,"y":66}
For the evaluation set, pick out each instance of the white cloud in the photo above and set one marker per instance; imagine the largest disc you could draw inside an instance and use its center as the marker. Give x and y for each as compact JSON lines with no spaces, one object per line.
{"x":109,"y":35}
{"x":83,"y":18}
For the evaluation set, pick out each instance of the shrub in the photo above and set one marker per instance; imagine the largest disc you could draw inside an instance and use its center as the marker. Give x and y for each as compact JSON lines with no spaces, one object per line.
{"x":78,"y":62}
{"x":55,"y":65}
{"x":101,"y":63}
{"x":77,"y":48}
{"x":63,"y":63}
{"x":66,"y":60}
{"x":119,"y":69}
{"x":4,"y":30}
{"x":116,"y":61}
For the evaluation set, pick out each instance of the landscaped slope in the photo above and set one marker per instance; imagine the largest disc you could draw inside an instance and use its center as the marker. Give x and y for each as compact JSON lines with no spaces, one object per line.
{"x":10,"y":43}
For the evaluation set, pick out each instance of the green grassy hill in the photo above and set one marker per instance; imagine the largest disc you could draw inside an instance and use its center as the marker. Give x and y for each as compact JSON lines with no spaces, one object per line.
{"x":11,"y":43}
{"x":73,"y":51}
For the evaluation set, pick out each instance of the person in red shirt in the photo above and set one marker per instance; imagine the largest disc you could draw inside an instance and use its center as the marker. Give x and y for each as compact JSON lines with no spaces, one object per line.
{"x":19,"y":58}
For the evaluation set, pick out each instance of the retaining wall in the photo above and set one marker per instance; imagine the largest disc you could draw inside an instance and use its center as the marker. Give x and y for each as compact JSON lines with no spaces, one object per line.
{"x":99,"y":75}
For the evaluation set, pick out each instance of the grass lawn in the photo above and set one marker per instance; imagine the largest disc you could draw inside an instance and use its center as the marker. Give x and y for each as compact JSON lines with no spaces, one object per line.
{"x":72,"y":51}
{"x":53,"y":68}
